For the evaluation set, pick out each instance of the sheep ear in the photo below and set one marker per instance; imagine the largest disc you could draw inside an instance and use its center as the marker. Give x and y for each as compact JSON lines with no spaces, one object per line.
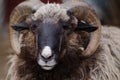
{"x":20,"y":26}
{"x":86,"y":27}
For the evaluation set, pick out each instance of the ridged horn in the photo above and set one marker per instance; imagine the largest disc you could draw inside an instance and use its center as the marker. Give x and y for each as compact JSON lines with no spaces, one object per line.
{"x":88,"y":15}
{"x":18,"y":14}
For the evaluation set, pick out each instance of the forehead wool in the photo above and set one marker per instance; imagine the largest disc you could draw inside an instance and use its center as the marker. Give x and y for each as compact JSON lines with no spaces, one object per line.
{"x":53,"y":11}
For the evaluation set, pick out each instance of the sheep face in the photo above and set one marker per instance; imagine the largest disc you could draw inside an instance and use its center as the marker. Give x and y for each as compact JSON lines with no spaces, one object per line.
{"x":53,"y":38}
{"x":43,"y":40}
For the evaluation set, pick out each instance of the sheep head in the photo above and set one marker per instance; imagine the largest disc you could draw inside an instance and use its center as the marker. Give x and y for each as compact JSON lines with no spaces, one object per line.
{"x":49,"y":31}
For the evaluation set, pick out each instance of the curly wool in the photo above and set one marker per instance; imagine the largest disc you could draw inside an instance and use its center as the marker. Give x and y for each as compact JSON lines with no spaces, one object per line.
{"x":55,"y":11}
{"x":107,"y":66}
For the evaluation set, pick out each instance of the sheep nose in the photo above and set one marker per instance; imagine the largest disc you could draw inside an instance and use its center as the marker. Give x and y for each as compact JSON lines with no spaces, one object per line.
{"x":46,"y":53}
{"x":47,"y":58}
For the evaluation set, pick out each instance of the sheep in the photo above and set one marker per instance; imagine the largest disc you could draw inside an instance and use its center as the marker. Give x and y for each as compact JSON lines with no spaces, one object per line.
{"x":62,"y":42}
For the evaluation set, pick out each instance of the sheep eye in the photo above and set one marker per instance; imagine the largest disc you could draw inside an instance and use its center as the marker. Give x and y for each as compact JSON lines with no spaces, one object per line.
{"x":65,"y":24}
{"x":20,"y":26}
{"x":35,"y":24}
{"x":33,"y":27}
{"x":66,"y":27}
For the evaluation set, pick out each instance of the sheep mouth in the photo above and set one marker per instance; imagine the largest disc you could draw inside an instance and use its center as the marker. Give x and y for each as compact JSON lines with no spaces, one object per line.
{"x":46,"y":67}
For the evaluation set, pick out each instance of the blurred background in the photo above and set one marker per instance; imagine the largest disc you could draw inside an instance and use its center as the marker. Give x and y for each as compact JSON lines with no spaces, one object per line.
{"x":107,"y":10}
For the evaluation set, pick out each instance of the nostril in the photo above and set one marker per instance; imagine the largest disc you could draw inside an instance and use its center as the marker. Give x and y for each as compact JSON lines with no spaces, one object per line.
{"x":50,"y":56}
{"x":47,"y":57}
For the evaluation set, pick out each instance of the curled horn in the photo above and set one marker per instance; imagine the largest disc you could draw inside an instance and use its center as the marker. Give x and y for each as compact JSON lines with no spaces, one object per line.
{"x":18,"y":14}
{"x":88,"y":15}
